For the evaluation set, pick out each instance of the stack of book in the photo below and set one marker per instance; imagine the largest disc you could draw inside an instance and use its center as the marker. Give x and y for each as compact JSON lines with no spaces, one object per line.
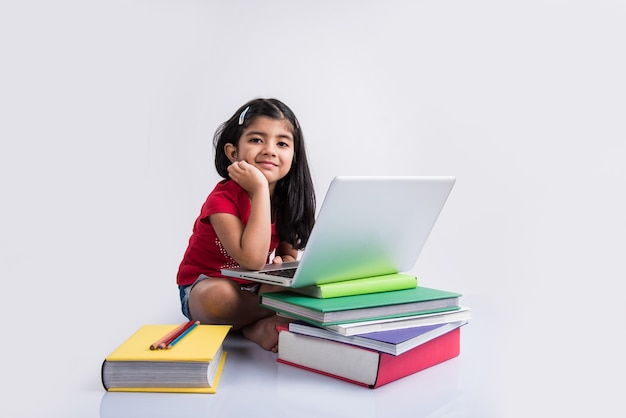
{"x":369,"y":339}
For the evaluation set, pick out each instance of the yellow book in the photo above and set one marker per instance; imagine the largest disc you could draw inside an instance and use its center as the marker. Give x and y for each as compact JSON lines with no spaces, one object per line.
{"x":194,"y":364}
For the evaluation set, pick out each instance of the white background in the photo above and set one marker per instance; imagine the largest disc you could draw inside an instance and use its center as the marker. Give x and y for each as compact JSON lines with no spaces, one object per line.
{"x":107,"y":112}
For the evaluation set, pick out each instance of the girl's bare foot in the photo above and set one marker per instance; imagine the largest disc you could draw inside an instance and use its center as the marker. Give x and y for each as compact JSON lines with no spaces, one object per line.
{"x":263,"y":332}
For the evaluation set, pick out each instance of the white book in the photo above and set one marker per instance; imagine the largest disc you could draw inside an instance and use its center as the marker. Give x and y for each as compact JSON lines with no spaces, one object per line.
{"x":394,"y":342}
{"x":354,"y":328}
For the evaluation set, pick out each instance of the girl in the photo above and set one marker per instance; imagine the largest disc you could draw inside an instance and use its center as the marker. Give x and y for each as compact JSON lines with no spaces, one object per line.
{"x":264,"y":205}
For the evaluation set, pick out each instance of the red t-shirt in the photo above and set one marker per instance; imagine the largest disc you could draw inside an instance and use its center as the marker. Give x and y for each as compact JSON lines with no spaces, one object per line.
{"x":205,"y":253}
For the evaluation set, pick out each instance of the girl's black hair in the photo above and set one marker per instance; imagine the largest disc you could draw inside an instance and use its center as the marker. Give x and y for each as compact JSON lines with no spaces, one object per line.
{"x":293,"y":201}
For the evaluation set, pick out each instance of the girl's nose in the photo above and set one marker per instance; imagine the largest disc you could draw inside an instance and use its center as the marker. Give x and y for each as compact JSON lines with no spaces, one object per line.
{"x":269,"y":149}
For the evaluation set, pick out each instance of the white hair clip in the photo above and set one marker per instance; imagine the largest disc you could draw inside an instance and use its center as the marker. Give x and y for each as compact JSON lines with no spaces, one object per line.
{"x":242,"y":116}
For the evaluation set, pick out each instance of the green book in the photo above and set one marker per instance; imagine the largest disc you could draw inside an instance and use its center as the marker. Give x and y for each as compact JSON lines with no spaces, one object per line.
{"x":363,"y":286}
{"x":330,"y":311}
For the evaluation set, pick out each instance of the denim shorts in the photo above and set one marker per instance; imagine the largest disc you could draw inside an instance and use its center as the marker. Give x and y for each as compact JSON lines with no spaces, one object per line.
{"x":184,"y":295}
{"x":186,"y":290}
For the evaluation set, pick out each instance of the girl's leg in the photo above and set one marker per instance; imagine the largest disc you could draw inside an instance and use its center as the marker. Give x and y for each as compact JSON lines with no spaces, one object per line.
{"x":221,"y":301}
{"x":264,"y":331}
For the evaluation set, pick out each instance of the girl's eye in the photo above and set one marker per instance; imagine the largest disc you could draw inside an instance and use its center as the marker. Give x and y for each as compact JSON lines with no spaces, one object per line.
{"x":255,"y":140}
{"x":283,"y":144}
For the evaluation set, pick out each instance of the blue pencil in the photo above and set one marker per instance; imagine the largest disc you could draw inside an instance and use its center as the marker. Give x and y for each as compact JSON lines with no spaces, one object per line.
{"x":180,"y":337}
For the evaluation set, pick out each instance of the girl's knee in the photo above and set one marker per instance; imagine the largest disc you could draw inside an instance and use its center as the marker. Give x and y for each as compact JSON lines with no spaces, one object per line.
{"x":213,"y":299}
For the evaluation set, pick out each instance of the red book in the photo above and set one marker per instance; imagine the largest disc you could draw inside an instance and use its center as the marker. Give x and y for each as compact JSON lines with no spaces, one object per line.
{"x":360,"y":365}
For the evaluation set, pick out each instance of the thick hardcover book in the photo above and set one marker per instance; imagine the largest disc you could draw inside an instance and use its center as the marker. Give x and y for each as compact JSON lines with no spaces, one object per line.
{"x":394,"y":342}
{"x":193,"y":365}
{"x":392,"y":304}
{"x":362,"y":366}
{"x":355,"y":328}
{"x":363,"y":286}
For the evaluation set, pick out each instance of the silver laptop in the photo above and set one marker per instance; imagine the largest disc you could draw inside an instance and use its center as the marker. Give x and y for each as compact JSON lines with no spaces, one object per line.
{"x":366,"y":226}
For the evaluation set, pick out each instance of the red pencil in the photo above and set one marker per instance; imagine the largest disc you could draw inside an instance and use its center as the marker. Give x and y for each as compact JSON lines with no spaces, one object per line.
{"x":188,"y":325}
{"x":171,"y":336}
{"x":180,"y":337}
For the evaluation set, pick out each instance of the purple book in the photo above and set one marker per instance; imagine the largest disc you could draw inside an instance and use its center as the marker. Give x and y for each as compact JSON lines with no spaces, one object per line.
{"x":397,"y":336}
{"x":394,"y":342}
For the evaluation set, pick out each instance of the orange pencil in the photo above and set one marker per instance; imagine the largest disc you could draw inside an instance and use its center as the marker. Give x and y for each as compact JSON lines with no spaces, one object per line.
{"x":169,"y":337}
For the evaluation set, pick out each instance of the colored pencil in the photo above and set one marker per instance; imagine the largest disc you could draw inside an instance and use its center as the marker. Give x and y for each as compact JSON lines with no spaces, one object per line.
{"x":173,"y":337}
{"x":169,"y":337}
{"x":185,"y":332}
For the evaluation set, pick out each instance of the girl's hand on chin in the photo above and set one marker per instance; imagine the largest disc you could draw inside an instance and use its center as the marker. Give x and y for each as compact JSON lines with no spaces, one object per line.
{"x":247,"y":176}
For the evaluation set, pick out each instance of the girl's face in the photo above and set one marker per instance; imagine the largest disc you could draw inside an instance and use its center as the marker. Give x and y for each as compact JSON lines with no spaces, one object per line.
{"x":268,"y":145}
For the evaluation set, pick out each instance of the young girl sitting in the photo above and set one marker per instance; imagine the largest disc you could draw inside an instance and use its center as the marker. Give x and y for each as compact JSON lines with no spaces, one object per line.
{"x":265,"y":205}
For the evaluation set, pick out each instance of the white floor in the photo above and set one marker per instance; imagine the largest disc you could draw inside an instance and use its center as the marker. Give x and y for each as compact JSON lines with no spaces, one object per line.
{"x":513,"y":363}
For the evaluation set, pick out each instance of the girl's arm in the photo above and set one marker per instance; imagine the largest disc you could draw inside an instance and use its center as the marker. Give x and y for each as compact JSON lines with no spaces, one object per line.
{"x":285,"y":253}
{"x":247,"y":245}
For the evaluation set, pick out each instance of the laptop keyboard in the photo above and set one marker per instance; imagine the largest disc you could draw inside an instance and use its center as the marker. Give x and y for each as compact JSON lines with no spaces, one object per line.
{"x":289,"y":272}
